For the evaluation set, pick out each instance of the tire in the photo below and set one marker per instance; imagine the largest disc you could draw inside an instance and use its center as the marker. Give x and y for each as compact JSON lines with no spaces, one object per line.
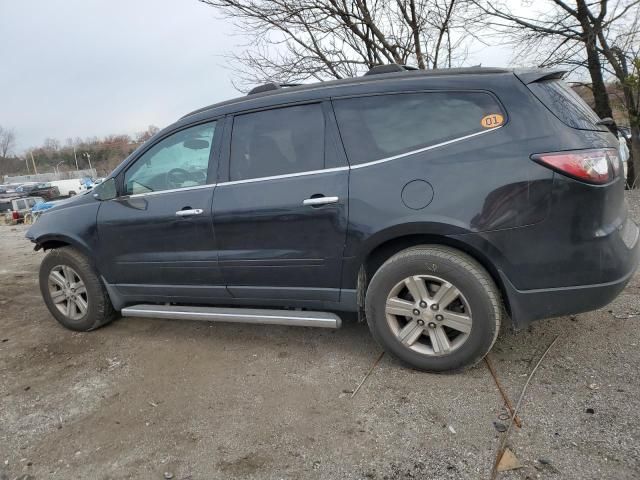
{"x":470,"y":319}
{"x":83,"y":288}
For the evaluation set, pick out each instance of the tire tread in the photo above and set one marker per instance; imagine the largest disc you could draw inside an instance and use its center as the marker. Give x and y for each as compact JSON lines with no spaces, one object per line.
{"x":464,"y":261}
{"x":105,"y":312}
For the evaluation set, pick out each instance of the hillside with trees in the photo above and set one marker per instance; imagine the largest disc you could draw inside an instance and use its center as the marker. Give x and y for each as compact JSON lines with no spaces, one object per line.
{"x":103,"y":154}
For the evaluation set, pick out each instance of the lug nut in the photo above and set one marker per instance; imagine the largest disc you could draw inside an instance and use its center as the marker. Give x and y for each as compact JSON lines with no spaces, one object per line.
{"x":420,"y":322}
{"x":434,"y":306}
{"x":423,"y":304}
{"x":432,"y":325}
{"x":439,"y":317}
{"x":416,"y":311}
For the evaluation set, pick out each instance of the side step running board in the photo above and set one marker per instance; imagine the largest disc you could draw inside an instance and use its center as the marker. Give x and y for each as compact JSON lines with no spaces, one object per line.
{"x":298,"y":318}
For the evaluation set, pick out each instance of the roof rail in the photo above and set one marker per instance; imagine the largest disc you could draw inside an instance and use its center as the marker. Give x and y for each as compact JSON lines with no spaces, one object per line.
{"x":389,"y":68}
{"x":267,"y":87}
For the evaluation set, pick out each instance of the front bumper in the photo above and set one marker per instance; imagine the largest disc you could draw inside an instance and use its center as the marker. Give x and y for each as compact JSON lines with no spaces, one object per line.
{"x":528,"y":305}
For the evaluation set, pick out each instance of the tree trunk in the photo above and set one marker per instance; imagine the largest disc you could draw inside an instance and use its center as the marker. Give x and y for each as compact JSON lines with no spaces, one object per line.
{"x":633,"y":114}
{"x":600,"y":96}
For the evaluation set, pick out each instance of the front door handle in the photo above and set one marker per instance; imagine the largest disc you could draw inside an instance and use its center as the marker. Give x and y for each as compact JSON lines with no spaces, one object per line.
{"x":315,"y":201}
{"x":190,"y":212}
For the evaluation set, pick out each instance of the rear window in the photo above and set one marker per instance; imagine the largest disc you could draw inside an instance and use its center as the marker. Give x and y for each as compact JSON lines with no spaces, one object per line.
{"x":566,"y":104}
{"x":381,"y":126}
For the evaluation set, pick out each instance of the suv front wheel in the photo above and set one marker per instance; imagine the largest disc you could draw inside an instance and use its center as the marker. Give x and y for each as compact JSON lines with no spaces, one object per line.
{"x":73,"y":292}
{"x":434,"y":308}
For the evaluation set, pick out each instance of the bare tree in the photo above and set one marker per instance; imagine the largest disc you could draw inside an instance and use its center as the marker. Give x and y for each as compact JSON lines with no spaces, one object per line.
{"x":296,"y":40}
{"x":142,"y":137}
{"x":600,"y":36}
{"x":7,"y":141}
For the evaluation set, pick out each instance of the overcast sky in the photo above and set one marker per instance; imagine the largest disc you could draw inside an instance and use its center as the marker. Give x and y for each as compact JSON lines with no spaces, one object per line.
{"x":79,"y":68}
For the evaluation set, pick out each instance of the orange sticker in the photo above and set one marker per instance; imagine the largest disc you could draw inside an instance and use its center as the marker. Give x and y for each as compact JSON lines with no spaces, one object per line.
{"x":492,"y":120}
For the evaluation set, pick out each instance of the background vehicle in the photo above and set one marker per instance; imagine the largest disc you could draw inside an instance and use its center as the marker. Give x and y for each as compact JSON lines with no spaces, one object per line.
{"x":10,"y":189}
{"x":432,"y":203}
{"x":68,"y":188}
{"x":44,"y":190}
{"x":13,"y":210}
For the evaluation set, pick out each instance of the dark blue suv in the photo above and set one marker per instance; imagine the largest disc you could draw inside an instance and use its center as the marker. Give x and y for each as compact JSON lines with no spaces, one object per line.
{"x":435,"y":204}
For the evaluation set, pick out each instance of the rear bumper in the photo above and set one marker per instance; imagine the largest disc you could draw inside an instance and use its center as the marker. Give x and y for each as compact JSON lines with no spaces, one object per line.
{"x":529,"y":305}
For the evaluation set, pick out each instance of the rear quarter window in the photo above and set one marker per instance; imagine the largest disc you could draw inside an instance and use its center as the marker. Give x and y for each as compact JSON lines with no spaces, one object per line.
{"x":381,"y":126}
{"x":566,"y":104}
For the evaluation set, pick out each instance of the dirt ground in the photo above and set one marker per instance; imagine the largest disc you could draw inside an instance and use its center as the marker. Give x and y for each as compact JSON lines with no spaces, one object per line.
{"x":146,"y":398}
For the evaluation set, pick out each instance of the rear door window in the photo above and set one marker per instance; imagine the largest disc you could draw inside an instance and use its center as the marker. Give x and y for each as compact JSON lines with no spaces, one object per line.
{"x":277,"y":142}
{"x":381,"y":126}
{"x":21,"y":204}
{"x":4,"y":206}
{"x":566,"y":104}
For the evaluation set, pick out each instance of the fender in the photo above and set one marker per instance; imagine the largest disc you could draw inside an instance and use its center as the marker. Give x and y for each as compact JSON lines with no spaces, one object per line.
{"x":398,"y":230}
{"x":400,"y":236}
{"x":57,"y":239}
{"x":73,"y":223}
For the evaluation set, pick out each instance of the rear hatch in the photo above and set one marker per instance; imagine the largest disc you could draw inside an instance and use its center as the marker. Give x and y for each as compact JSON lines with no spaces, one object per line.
{"x":561,"y":99}
{"x":591,"y":200}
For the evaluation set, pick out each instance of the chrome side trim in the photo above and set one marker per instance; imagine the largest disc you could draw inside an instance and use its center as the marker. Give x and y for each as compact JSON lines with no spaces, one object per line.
{"x":328,"y":170}
{"x":286,"y":175}
{"x":424,"y":149}
{"x":236,"y":315}
{"x":362,"y":165}
{"x":171,"y":190}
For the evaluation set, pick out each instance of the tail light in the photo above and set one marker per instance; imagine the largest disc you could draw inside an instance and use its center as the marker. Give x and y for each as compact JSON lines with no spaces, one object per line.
{"x":15,"y":215}
{"x":592,"y":166}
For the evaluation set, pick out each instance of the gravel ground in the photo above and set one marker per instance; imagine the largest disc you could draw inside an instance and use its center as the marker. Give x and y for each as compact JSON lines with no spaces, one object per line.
{"x":142,"y":397}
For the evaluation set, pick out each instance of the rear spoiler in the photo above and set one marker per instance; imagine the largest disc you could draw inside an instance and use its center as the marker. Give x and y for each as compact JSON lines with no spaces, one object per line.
{"x":538,"y":75}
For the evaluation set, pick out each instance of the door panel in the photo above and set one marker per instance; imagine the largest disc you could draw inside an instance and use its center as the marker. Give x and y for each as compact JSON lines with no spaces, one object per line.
{"x":157,"y":238}
{"x":268,"y":238}
{"x":144,"y":242}
{"x":271,"y":244}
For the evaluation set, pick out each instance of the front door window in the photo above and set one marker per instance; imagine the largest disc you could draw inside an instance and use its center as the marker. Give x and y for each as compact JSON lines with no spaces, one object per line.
{"x":179,"y":161}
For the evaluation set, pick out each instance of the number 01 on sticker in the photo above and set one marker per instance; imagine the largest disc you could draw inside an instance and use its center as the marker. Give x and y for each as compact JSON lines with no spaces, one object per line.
{"x":492,"y":120}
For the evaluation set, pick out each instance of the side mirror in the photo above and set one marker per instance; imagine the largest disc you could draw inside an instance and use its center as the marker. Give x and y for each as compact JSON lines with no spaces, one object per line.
{"x":608,"y":121}
{"x":106,"y":190}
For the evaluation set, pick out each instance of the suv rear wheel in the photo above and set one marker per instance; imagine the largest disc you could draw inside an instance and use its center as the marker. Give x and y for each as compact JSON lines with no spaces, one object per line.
{"x":434,"y":308}
{"x":73,"y":292}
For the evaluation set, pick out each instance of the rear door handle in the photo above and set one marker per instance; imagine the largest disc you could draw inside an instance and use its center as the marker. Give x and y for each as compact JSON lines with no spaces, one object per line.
{"x":189,"y":212}
{"x":315,"y":201}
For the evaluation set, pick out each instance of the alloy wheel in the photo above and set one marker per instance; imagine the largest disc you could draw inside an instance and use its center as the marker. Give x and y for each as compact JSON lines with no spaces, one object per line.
{"x":68,"y":292}
{"x":428,"y":314}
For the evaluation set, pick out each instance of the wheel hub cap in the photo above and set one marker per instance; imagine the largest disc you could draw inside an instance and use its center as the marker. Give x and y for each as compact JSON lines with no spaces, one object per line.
{"x":428,"y":315}
{"x":68,"y":292}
